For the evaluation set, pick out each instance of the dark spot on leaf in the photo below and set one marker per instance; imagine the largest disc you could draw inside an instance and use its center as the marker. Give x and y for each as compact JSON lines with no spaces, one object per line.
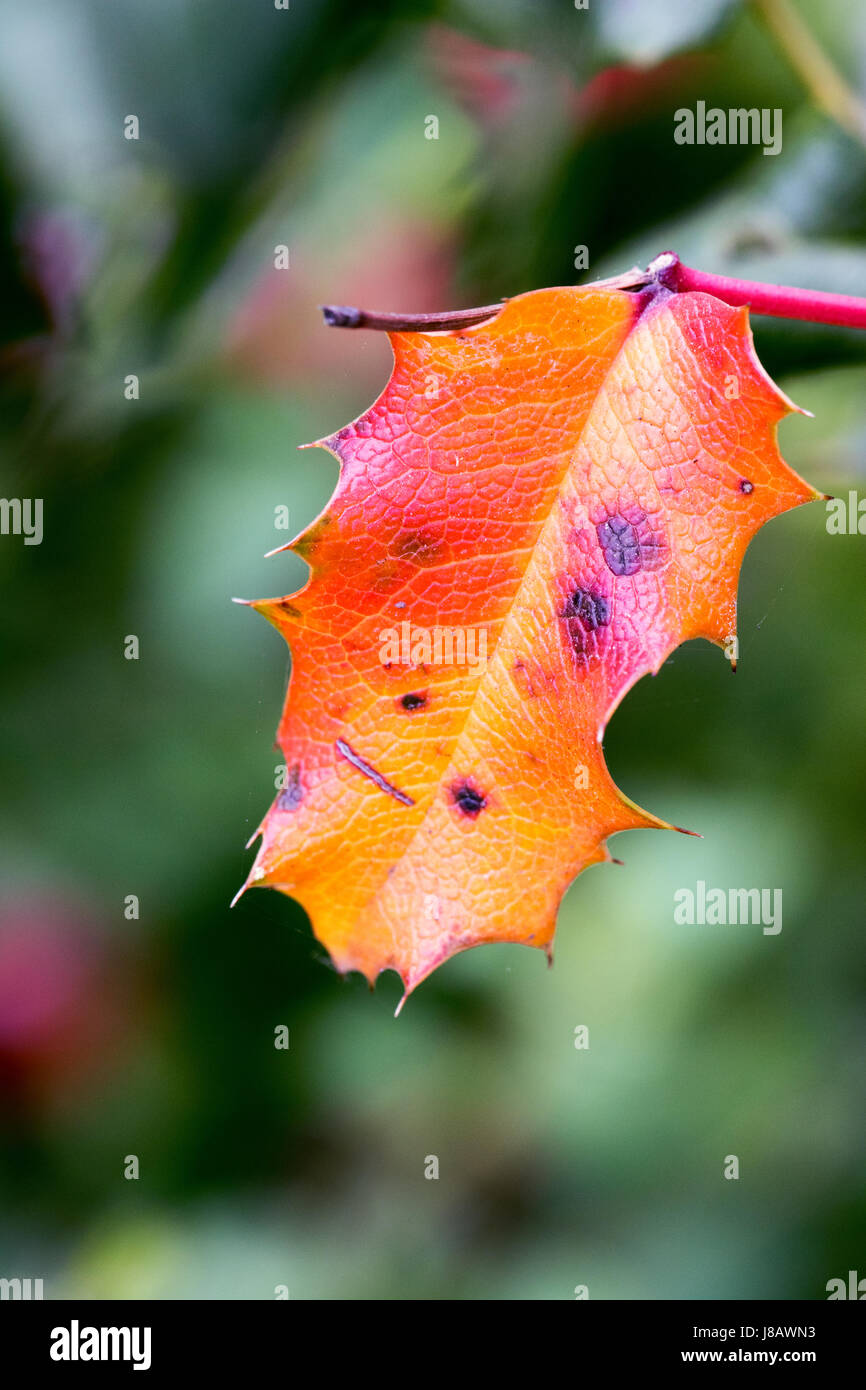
{"x":592,"y":609}
{"x":746,"y":486}
{"x":628,"y":543}
{"x":413,"y":701}
{"x":292,"y":793}
{"x":468,"y":798}
{"x":585,"y":613}
{"x":420,"y":547}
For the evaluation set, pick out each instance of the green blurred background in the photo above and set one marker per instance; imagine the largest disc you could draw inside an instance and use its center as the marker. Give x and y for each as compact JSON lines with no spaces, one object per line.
{"x":155,"y":1036}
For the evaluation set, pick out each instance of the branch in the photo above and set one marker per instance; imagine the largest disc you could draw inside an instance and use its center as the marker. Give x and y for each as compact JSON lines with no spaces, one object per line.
{"x":342,"y":316}
{"x":667,"y":271}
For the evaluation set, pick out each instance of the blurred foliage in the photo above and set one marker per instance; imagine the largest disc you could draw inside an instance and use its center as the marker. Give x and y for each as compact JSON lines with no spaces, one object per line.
{"x":154,"y":1036}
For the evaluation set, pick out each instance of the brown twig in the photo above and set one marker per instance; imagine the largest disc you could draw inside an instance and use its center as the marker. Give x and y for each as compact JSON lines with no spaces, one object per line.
{"x":342,"y":316}
{"x":667,"y":271}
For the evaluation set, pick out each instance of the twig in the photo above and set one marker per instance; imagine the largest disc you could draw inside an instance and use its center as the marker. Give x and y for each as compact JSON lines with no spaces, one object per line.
{"x":668,"y":271}
{"x":342,"y":316}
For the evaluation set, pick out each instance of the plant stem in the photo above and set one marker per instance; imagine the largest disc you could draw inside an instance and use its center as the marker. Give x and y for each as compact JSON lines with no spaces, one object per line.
{"x":778,"y":301}
{"x":343,"y":316}
{"x":668,"y":271}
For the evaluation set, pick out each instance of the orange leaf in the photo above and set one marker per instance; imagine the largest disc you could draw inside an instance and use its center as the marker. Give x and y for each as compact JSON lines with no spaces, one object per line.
{"x":566,"y":493}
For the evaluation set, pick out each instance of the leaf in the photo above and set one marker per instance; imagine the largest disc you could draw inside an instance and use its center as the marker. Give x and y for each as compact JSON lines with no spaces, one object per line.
{"x":576,"y":481}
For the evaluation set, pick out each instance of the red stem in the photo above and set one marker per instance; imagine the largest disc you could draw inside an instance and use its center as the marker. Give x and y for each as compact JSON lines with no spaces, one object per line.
{"x":778,"y":301}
